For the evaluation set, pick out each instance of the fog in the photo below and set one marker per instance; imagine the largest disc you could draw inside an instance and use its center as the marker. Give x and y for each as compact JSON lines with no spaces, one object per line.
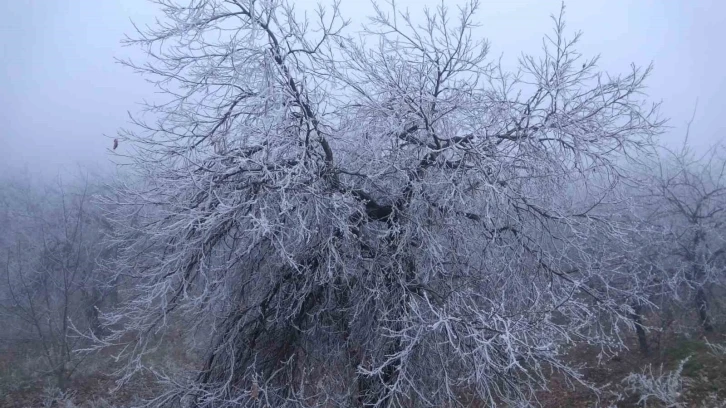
{"x":64,"y":96}
{"x":410,"y":218}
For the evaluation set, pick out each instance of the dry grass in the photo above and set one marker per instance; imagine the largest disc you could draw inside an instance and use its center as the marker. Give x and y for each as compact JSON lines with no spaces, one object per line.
{"x":704,"y":377}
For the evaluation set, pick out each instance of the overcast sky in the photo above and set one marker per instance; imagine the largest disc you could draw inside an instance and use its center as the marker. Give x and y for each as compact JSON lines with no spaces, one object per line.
{"x":61,"y":91}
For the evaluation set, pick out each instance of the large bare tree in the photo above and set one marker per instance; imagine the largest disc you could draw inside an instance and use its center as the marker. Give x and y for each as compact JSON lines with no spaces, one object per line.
{"x":386,"y":219}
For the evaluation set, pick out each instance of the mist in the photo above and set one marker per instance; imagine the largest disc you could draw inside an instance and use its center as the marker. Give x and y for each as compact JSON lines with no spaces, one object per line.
{"x":394,"y":204}
{"x":64,"y":96}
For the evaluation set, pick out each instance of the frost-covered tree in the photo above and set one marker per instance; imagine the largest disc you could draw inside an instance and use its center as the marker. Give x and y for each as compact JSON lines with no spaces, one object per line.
{"x":685,"y":193}
{"x":386,"y":219}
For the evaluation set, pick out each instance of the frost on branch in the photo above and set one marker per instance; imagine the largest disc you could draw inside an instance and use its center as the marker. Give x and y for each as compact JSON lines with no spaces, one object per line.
{"x":388,"y":219}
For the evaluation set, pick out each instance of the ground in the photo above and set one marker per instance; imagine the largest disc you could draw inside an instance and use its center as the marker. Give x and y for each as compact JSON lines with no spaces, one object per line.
{"x":704,"y":378}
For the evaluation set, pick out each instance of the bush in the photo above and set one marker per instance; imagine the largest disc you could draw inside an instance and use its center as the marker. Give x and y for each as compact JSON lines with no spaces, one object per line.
{"x":665,"y":387}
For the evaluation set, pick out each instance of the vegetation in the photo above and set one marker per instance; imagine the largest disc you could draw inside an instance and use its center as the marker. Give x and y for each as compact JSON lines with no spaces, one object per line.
{"x":316,"y":219}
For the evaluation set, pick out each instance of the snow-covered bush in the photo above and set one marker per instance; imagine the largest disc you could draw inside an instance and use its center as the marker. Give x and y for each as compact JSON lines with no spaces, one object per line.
{"x":718,"y":350}
{"x":54,"y":397}
{"x":664,"y":387}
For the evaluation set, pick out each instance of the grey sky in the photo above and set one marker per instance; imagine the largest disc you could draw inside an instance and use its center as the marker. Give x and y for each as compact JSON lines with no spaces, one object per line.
{"x":61,"y":91}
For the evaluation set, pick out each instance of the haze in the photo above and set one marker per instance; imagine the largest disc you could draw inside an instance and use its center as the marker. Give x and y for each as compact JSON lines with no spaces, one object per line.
{"x":64,"y":96}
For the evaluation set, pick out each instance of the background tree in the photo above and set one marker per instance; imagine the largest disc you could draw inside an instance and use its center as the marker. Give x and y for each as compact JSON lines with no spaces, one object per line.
{"x":51,"y":243}
{"x":384,"y":221}
{"x":686,"y":197}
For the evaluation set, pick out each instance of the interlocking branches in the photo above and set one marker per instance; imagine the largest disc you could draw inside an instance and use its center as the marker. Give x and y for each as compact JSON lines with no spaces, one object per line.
{"x":391,"y":220}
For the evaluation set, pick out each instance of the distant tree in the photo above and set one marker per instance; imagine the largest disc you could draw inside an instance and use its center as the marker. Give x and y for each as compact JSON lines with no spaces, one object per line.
{"x":686,"y":193}
{"x":386,"y":220}
{"x":50,"y":246}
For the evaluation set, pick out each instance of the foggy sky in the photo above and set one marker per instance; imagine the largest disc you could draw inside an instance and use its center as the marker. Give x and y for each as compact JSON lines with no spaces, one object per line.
{"x":63,"y":97}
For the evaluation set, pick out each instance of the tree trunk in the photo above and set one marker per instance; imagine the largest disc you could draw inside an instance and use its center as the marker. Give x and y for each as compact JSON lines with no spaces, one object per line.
{"x":637,"y":318}
{"x":61,"y":377}
{"x":702,"y":307}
